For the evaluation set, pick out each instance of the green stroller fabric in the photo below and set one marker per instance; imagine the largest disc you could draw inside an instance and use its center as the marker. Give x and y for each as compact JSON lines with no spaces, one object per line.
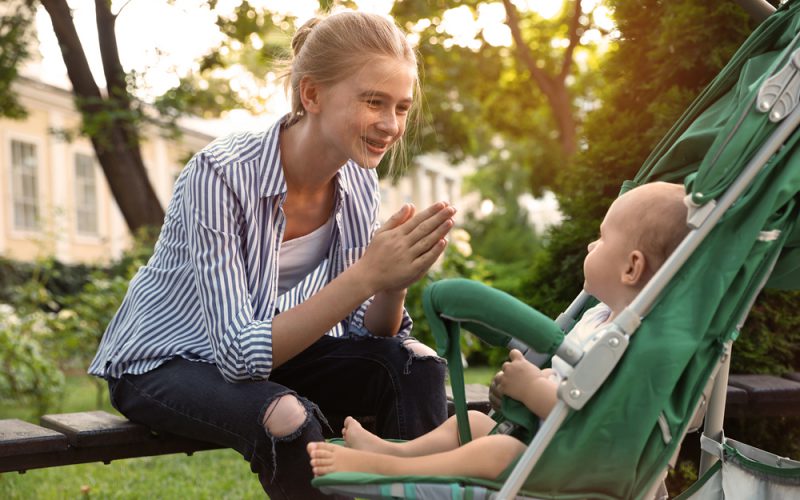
{"x":623,"y":438}
{"x":455,"y":303}
{"x":721,"y":130}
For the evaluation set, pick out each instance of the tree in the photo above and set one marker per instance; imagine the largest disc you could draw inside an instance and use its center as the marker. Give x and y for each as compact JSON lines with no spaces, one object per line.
{"x":110,"y":118}
{"x":15,"y":37}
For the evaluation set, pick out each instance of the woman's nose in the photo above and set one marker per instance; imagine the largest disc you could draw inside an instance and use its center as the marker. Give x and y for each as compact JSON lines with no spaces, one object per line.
{"x":389,"y":124}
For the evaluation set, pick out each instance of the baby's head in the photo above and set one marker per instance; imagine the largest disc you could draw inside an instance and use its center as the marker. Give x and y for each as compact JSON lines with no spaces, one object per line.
{"x":640,"y":230}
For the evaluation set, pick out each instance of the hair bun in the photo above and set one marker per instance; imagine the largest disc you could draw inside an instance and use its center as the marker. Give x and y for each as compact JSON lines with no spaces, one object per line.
{"x":301,"y":34}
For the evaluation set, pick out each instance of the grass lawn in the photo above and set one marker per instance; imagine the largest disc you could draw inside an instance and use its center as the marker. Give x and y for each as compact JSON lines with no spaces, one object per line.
{"x":214,"y":474}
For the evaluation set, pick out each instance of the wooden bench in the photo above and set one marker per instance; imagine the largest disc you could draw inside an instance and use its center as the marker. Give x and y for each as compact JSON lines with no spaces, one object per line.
{"x":98,"y":436}
{"x":76,"y":438}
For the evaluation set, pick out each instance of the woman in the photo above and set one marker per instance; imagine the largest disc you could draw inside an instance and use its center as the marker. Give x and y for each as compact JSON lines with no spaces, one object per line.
{"x":272,"y":299}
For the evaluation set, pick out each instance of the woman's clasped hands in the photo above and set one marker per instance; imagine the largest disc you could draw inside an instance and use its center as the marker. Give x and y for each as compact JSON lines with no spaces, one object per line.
{"x":406,"y":246}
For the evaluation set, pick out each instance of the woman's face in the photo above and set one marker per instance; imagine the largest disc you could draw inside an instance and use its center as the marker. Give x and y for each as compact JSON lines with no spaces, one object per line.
{"x":364,"y":114}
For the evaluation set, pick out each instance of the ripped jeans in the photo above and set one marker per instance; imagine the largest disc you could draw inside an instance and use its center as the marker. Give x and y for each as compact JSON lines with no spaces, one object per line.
{"x":334,"y":377}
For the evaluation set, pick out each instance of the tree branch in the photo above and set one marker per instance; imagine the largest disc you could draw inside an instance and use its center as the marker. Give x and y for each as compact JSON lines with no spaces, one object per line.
{"x":115,"y":141}
{"x":574,"y":38}
{"x":553,"y":89}
{"x":123,"y":6}
{"x":71,"y":49}
{"x":542,"y":79}
{"x":113,"y":71}
{"x":109,"y":52}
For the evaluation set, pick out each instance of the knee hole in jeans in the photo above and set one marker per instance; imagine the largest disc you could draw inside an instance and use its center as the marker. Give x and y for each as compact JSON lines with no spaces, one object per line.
{"x":417,"y":348}
{"x":284,"y":416}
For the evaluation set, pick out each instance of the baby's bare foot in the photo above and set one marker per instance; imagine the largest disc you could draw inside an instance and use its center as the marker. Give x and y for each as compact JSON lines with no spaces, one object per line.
{"x":357,"y":437}
{"x":327,"y":458}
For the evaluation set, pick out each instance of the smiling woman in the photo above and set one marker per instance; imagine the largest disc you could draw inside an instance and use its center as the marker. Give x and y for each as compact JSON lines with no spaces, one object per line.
{"x":273,"y":303}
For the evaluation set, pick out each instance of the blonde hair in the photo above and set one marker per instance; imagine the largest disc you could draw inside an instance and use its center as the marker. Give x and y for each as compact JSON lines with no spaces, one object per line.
{"x":329,"y":49}
{"x":659,"y":221}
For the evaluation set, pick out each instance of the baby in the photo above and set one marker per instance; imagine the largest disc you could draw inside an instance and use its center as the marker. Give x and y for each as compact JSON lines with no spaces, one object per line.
{"x":640,"y":230}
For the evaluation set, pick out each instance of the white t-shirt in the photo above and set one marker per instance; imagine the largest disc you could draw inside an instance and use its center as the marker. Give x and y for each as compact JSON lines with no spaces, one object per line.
{"x":583,"y":332}
{"x":300,"y":256}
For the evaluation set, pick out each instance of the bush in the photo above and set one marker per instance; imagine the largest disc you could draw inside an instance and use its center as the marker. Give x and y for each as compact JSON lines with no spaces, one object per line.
{"x":55,"y":318}
{"x":28,"y":375}
{"x":460,"y":262}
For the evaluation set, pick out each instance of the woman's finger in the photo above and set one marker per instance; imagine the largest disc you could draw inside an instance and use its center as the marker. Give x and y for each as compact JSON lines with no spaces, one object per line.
{"x":398,"y":218}
{"x":431,"y":224}
{"x":424,"y":262}
{"x":418,"y":219}
{"x":428,"y":241}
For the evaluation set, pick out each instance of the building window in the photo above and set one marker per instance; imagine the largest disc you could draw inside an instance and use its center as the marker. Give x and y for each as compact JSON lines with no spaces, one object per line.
{"x":25,"y":185}
{"x":85,"y":195}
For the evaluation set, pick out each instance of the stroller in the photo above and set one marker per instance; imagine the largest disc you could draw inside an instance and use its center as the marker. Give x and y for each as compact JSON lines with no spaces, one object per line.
{"x":634,"y":394}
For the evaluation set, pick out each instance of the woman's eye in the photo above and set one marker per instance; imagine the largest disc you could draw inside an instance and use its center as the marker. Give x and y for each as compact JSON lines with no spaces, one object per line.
{"x":373,"y":103}
{"x":402,"y":110}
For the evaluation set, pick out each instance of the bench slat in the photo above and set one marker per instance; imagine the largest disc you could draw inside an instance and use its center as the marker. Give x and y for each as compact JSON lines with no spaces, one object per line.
{"x":95,"y":428}
{"x":768,"y":395}
{"x":18,"y":437}
{"x":152,"y":446}
{"x":477,"y":398}
{"x":793,"y":376}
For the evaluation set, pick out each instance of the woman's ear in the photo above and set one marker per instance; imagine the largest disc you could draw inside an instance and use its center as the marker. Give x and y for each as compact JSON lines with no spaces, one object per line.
{"x":635,"y":270}
{"x":309,"y":95}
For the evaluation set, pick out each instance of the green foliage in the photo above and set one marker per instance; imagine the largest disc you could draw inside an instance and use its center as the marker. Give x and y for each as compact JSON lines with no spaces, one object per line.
{"x":505,"y":235}
{"x":15,"y":36}
{"x":56,"y":318}
{"x":770,"y":339}
{"x":460,"y":262}
{"x":27,"y":373}
{"x":667,"y":52}
{"x":256,"y":42}
{"x":481,"y":101}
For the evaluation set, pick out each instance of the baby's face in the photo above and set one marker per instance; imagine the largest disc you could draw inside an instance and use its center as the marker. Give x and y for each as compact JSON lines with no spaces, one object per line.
{"x":608,"y":255}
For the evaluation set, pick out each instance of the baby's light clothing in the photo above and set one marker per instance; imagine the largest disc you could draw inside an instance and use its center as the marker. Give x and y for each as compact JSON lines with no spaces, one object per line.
{"x":582,"y":333}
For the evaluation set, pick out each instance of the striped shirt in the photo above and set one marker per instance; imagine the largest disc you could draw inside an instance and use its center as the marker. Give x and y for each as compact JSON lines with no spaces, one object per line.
{"x":210,"y":290}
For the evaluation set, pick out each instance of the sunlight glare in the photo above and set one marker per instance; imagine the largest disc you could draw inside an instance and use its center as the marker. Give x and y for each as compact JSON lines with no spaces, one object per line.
{"x":377,"y":6}
{"x":491,"y":19}
{"x":548,"y":9}
{"x":461,"y":25}
{"x":604,"y":19}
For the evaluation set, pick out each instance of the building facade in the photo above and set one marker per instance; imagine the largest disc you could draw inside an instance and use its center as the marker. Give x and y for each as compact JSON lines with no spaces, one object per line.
{"x":54,"y":199}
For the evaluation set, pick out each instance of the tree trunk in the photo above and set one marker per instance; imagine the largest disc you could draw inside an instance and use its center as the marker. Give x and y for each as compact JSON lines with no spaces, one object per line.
{"x":553,"y":87}
{"x":116,"y":142}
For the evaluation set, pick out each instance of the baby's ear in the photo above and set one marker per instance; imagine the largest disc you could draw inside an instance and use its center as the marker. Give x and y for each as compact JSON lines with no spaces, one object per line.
{"x":634,"y":272}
